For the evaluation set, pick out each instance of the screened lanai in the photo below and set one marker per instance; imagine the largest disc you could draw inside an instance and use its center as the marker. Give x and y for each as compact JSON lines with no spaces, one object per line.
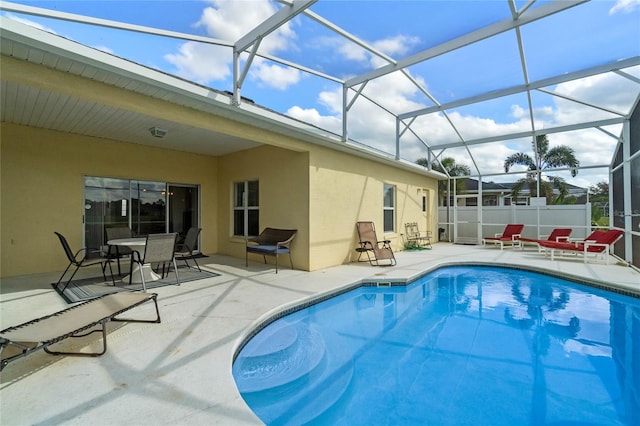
{"x":411,"y":81}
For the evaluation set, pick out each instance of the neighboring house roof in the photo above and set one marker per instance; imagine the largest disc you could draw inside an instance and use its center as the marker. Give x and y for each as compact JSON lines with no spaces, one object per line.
{"x":506,"y":187}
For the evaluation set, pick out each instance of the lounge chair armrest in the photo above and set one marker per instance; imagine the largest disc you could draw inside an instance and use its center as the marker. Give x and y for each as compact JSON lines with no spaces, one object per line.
{"x":363,"y":244}
{"x":497,"y":235}
{"x":592,"y":243}
{"x":515,"y":237}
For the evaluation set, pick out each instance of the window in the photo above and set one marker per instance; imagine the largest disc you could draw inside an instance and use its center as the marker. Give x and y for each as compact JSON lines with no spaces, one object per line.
{"x":389,"y":207}
{"x":246,"y":209}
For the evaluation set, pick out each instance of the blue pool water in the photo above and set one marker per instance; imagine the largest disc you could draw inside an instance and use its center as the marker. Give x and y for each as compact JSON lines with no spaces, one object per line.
{"x":461,"y":346}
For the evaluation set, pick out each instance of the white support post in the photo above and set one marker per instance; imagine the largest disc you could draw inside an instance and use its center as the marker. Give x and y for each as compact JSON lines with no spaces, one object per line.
{"x":626,"y":176}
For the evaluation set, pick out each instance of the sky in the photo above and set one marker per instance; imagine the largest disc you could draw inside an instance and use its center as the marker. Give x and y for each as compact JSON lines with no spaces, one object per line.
{"x":584,"y":36}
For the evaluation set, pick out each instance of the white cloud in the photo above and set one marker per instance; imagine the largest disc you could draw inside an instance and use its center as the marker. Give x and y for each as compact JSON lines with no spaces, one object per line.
{"x":396,"y":46}
{"x":201,"y":63}
{"x":275,"y":76}
{"x":352,"y":52}
{"x":230,"y":20}
{"x":518,"y":112}
{"x":624,"y":6}
{"x":347,"y":50}
{"x":312,"y":116}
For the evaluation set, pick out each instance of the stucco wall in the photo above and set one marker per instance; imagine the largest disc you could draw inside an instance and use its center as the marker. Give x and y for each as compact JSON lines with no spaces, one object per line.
{"x":42,"y":190}
{"x":345,"y":189}
{"x":284,"y":197}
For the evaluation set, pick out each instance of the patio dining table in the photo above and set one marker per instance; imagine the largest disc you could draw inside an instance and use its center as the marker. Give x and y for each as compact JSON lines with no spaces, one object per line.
{"x":137,"y":244}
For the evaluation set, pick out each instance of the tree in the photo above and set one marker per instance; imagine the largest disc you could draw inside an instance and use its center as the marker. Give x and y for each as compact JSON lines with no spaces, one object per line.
{"x":545,"y":158}
{"x":600,"y":192}
{"x":448,"y":166}
{"x":599,"y":199}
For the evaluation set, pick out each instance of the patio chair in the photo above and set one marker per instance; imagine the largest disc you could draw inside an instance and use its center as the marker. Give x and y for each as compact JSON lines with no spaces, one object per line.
{"x":376,"y":250}
{"x":185,"y":251}
{"x":116,"y":252}
{"x":80,"y":262}
{"x":270,"y":242}
{"x":599,"y":243}
{"x":557,"y":235}
{"x":415,"y":238}
{"x":510,"y":235}
{"x":158,"y":249}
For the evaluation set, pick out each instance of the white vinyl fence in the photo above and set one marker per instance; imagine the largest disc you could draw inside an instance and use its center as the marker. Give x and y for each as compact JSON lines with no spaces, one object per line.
{"x":468,"y":225}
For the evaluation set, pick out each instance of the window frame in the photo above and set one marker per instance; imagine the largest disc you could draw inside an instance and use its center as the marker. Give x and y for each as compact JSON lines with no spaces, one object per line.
{"x":245,"y":208}
{"x":389,"y":209}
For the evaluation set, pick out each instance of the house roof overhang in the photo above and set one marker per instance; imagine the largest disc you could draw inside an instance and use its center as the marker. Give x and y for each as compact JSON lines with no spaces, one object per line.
{"x":27,"y":100}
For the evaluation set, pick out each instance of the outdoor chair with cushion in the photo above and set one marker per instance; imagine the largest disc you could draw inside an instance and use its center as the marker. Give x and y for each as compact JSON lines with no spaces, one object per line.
{"x":599,"y":243}
{"x":78,"y":321}
{"x":510,"y":235}
{"x":270,"y":242}
{"x":377,"y":251}
{"x":80,"y":259}
{"x":186,"y":250}
{"x":116,"y":252}
{"x":557,"y":235}
{"x":159,"y":249}
{"x":415,"y":238}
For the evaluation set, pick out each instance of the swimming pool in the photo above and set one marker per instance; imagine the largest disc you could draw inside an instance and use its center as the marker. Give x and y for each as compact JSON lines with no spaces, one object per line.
{"x":461,"y":345}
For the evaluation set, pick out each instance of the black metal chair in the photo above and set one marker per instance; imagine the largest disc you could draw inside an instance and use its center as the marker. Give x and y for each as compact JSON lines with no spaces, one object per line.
{"x":185,"y":251}
{"x":159,"y":249}
{"x":80,"y":262}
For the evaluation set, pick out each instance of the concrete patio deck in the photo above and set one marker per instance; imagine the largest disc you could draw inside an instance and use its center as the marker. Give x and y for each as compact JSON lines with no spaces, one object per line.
{"x":179,"y":371}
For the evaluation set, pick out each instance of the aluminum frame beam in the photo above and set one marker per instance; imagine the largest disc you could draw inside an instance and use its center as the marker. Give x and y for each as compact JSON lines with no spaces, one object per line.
{"x":588,"y":72}
{"x":481,"y":34}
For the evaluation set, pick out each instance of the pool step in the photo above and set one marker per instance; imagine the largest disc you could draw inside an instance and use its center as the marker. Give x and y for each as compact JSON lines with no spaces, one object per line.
{"x":293,"y":374}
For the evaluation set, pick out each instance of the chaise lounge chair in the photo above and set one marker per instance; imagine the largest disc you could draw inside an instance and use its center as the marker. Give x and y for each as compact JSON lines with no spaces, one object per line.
{"x":598,"y":243}
{"x":375,"y":249}
{"x":78,"y":321}
{"x":510,"y":235}
{"x":557,"y":235}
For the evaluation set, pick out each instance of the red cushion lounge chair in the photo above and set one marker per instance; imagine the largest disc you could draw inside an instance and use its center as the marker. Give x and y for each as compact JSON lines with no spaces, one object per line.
{"x":510,"y":235}
{"x":598,"y":243}
{"x":557,"y":235}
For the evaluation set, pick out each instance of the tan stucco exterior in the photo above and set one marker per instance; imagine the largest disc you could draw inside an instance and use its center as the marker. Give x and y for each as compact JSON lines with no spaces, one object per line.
{"x":42,"y":189}
{"x":317,"y":190}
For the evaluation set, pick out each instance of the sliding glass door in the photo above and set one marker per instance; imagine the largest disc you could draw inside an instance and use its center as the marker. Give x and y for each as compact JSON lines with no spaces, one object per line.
{"x":106,"y":203}
{"x":183,"y":209}
{"x":144,"y":206}
{"x":148,"y":207}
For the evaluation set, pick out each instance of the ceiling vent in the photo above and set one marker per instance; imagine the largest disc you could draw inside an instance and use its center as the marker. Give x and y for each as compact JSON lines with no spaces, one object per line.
{"x":157,"y":132}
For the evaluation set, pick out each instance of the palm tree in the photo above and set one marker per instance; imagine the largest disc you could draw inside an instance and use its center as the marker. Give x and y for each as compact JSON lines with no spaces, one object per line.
{"x":545,"y":158}
{"x":448,"y":166}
